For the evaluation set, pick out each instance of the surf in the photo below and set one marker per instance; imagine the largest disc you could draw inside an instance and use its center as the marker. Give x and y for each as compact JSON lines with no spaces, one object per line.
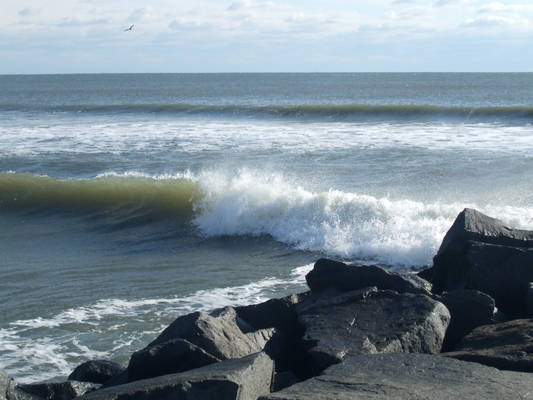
{"x":248,"y":203}
{"x":349,"y":112}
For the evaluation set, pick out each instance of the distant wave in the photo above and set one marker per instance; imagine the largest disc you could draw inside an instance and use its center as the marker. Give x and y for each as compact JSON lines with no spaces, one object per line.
{"x":218,"y":204}
{"x":330,"y":112}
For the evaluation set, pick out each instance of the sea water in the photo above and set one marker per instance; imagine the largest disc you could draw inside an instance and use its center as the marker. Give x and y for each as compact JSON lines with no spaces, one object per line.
{"x":128,"y":200}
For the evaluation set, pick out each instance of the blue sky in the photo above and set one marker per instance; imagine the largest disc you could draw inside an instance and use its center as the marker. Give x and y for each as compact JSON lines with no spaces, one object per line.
{"x":59,"y":36}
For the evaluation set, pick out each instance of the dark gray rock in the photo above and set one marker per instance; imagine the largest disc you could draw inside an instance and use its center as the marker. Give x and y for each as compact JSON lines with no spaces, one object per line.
{"x":274,"y":313}
{"x":246,"y":378}
{"x":408,"y":377}
{"x":285,"y":348}
{"x":9,"y":389}
{"x":96,"y":371}
{"x":508,"y":345}
{"x":529,"y":300}
{"x":169,"y":357}
{"x":471,"y":225}
{"x":218,"y":333}
{"x":367,"y":322}
{"x":481,"y":253}
{"x":284,"y":379}
{"x":468,"y":309}
{"x":58,"y":390}
{"x":328,"y":274}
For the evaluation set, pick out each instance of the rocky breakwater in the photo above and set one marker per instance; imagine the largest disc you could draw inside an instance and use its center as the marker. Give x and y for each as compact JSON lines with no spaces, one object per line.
{"x":359,"y":332}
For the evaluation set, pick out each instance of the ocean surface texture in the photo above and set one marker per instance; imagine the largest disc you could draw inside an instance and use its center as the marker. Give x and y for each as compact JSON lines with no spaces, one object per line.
{"x":128,"y":200}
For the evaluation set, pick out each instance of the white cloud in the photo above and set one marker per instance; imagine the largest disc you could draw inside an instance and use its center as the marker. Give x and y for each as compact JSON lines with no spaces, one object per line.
{"x":25,"y":12}
{"x":489,"y":21}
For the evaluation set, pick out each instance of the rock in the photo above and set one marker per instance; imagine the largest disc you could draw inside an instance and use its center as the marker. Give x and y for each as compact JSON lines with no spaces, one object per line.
{"x":58,"y":390}
{"x":274,"y":313}
{"x":218,"y":333}
{"x":327,"y":274}
{"x":246,"y":378}
{"x":286,"y":350}
{"x":508,"y":345}
{"x":409,"y":376}
{"x":169,"y":357}
{"x":471,"y":225}
{"x":529,"y":299}
{"x":96,"y":371}
{"x":284,"y":379}
{"x":481,"y":253}
{"x":9,"y":390}
{"x":468,"y":309}
{"x":368,"y":321}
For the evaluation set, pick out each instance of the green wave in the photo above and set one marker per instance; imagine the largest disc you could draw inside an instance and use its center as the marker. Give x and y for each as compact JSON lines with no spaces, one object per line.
{"x":318,"y":111}
{"x":19,"y":191}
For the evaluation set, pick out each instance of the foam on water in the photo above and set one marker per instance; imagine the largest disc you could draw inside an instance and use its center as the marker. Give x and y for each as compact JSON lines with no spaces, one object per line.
{"x":50,"y":347}
{"x":184,"y":137}
{"x":347,"y":225}
{"x":245,"y":202}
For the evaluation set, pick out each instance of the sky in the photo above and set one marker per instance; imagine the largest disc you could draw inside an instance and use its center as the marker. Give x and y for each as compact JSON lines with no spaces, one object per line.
{"x":88,"y":36}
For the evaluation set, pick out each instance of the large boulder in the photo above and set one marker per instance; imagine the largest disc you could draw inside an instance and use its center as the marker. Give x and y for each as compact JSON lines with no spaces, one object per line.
{"x":220,"y":334}
{"x":273,"y":313}
{"x":246,"y":378}
{"x":472,"y":225}
{"x":328,"y":274}
{"x":9,"y":389}
{"x":481,"y":253}
{"x":507,"y":345}
{"x":468,"y":309}
{"x":169,"y":357}
{"x":409,"y":376}
{"x":96,"y":371}
{"x":58,"y":390}
{"x":368,"y":321}
{"x":287,"y":351}
{"x":529,"y":299}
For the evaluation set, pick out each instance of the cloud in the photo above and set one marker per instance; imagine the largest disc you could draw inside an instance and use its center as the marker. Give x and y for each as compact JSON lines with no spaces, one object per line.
{"x":488,"y":21}
{"x":239,"y":5}
{"x":77,"y":22}
{"x":142,"y":14}
{"x":496,"y":7}
{"x":442,"y":3}
{"x":25,"y":12}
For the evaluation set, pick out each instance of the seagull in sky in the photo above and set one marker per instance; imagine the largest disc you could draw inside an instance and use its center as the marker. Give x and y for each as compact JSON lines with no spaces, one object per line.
{"x":129,"y":29}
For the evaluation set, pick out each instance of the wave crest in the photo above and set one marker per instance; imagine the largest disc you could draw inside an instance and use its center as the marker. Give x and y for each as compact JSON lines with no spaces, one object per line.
{"x":330,"y":112}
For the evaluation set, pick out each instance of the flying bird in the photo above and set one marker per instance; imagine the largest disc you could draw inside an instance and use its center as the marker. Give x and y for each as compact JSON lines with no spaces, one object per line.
{"x":129,"y":29}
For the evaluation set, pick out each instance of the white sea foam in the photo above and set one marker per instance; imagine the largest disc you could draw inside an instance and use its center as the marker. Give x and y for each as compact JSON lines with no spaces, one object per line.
{"x":342,"y":224}
{"x":191,"y":136}
{"x":50,"y":347}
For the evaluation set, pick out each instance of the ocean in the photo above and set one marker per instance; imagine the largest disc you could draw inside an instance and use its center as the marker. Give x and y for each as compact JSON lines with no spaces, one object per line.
{"x":127,"y":200}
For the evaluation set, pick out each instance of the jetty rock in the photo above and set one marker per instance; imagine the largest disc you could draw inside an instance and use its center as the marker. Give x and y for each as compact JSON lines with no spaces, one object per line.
{"x":506,"y":346}
{"x":407,"y":377}
{"x":481,"y":253}
{"x":245,"y":378}
{"x":370,"y":321}
{"x":331,"y":274}
{"x":96,"y":371}
{"x":468,"y":309}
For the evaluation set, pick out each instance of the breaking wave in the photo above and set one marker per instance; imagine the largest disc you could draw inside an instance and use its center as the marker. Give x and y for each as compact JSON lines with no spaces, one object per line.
{"x":247,"y":203}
